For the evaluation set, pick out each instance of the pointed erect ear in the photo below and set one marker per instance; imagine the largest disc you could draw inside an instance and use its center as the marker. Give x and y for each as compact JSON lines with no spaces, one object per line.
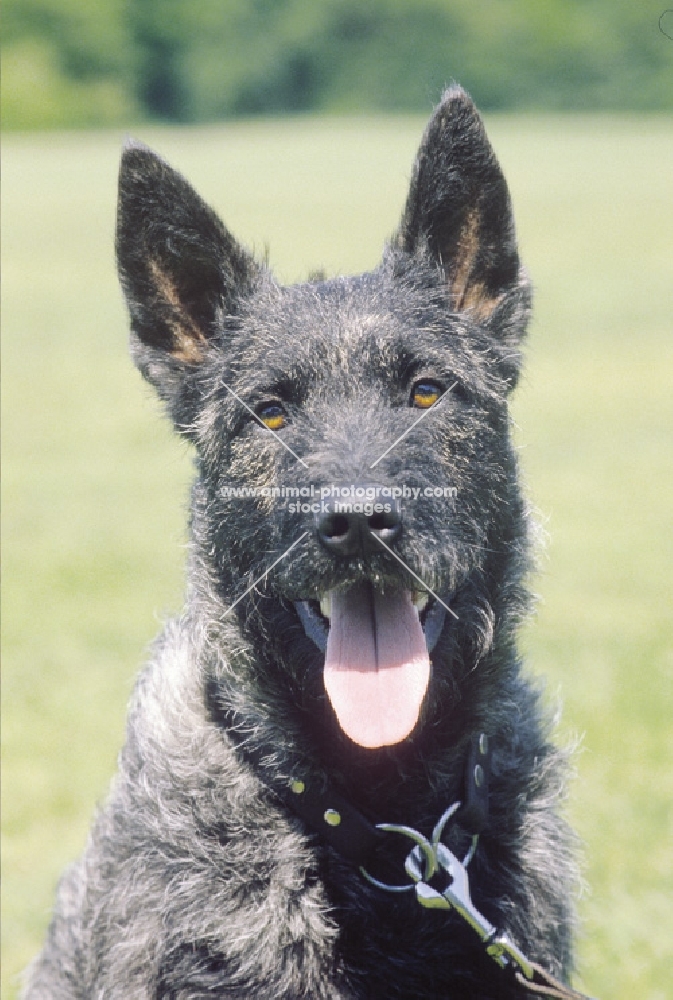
{"x":458,"y":209}
{"x":177,"y":263}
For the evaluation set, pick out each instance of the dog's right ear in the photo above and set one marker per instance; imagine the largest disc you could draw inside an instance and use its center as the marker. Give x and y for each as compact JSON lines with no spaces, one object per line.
{"x":179,"y":267}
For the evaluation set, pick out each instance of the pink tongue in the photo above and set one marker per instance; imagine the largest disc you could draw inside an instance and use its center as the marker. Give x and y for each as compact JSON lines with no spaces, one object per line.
{"x":376,"y":665}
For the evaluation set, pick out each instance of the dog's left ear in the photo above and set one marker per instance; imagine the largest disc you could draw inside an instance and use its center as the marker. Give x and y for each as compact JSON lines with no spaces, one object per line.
{"x":458,"y":210}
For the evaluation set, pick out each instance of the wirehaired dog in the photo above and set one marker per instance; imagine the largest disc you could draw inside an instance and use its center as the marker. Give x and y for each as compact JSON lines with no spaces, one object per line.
{"x":341,"y":707}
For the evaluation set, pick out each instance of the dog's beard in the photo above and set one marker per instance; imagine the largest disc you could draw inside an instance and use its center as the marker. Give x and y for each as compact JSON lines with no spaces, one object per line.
{"x":377,"y":662}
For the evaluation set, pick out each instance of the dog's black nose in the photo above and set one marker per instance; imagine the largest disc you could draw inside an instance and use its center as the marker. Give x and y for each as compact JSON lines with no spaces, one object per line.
{"x":350,"y":523}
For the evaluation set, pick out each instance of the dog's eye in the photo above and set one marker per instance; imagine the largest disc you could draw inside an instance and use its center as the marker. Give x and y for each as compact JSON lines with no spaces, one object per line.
{"x":425,"y":394}
{"x":273,"y":415}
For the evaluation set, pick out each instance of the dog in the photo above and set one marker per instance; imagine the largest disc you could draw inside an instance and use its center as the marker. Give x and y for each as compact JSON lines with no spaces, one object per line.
{"x":340,"y":711}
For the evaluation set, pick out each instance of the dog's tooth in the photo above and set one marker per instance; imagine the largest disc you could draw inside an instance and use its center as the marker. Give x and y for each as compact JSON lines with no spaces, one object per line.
{"x":326,"y":605}
{"x":420,"y":599}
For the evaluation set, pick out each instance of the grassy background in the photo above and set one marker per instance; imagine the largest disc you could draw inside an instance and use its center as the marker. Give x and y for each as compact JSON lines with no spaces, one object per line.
{"x":95,"y":488}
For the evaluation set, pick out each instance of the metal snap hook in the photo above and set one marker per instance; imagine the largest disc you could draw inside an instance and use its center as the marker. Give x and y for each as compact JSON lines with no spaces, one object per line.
{"x":441,"y":823}
{"x":423,"y":851}
{"x":439,"y":830}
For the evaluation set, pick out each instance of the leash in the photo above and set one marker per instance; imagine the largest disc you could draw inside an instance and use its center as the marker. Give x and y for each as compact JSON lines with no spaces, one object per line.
{"x":439,"y":879}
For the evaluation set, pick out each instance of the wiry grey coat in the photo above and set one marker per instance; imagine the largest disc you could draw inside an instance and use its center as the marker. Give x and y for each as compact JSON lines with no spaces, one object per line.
{"x":198,"y":881}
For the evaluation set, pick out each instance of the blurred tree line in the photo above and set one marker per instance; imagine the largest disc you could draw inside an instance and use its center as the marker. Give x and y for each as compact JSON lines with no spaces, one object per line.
{"x":98,"y":62}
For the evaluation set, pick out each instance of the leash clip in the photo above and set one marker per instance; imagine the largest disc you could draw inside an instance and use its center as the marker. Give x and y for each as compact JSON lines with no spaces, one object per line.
{"x":456,"y":896}
{"x":431,"y":861}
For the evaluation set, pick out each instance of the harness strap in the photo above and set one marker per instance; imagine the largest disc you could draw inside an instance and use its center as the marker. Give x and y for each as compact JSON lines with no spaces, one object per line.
{"x":332,"y":816}
{"x":327,"y":812}
{"x":321,"y":807}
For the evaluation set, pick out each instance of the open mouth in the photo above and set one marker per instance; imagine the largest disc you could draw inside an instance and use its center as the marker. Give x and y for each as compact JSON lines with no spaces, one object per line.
{"x":377,"y":647}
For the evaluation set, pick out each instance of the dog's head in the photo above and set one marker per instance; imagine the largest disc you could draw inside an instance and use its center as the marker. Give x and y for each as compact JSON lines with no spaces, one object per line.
{"x":352,"y":434}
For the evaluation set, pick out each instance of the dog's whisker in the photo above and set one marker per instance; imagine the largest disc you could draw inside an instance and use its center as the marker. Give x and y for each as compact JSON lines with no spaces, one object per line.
{"x":416,"y":576}
{"x":265,"y":573}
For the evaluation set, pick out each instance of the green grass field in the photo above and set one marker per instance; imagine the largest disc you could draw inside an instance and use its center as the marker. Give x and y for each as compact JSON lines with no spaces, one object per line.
{"x":95,"y":488}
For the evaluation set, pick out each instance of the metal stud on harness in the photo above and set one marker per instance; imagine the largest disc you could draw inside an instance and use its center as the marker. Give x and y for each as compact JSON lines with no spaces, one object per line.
{"x":429,"y":860}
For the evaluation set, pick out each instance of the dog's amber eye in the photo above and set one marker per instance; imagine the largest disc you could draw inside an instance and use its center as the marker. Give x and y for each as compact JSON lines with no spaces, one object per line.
{"x":425,"y":394}
{"x":273,"y":415}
